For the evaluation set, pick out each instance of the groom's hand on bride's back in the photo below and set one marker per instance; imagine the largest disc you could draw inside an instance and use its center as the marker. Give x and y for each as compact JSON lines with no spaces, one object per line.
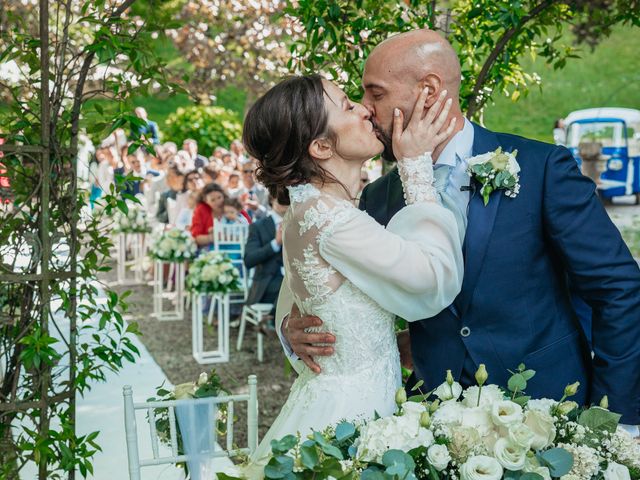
{"x":307,"y":345}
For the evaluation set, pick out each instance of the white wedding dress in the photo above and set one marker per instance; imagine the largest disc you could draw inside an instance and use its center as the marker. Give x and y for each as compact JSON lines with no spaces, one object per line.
{"x":356,"y":275}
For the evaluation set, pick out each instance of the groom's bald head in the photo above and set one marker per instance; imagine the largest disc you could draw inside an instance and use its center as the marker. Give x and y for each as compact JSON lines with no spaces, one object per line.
{"x":399,"y":68}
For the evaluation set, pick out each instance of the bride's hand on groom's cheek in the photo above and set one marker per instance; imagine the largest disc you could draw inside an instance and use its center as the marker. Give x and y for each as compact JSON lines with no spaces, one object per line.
{"x":307,"y":345}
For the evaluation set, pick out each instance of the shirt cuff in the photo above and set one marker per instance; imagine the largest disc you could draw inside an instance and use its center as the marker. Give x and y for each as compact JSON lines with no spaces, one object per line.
{"x":633,"y":430}
{"x":276,"y":247}
{"x":285,"y":345}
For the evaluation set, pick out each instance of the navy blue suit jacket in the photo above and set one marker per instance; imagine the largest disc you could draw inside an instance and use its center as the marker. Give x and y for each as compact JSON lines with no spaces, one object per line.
{"x":521,"y":256}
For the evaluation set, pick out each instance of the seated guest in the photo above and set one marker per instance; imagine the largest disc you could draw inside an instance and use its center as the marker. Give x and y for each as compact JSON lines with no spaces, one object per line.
{"x":234,"y":214}
{"x":191,"y":146}
{"x":185,"y":214}
{"x":210,"y":173}
{"x":254,"y":195}
{"x":175,"y":181}
{"x":209,"y":208}
{"x":233,"y":185}
{"x":264,"y":253}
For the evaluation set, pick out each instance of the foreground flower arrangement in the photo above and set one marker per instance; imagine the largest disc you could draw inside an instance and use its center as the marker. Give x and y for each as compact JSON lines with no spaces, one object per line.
{"x":213,"y":272}
{"x":481,"y":433}
{"x":174,"y":245}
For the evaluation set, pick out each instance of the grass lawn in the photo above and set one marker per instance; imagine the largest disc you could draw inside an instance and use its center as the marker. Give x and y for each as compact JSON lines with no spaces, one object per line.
{"x":608,"y":77}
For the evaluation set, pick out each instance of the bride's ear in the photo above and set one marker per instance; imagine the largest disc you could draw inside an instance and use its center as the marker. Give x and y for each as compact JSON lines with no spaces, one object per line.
{"x":321,"y":149}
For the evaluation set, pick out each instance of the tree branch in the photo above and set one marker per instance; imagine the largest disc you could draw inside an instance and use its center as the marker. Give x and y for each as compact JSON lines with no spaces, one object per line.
{"x":475,"y":103}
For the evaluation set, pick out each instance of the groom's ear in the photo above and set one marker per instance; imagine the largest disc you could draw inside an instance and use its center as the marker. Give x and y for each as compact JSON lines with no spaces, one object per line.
{"x":434,"y":82}
{"x":321,"y":149}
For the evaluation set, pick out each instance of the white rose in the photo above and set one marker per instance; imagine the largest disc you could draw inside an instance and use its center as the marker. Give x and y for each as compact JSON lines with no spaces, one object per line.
{"x":510,"y":455}
{"x":448,"y":392}
{"x":438,"y":456}
{"x":512,"y":164}
{"x":490,"y":394}
{"x":449,"y":413}
{"x":481,"y":467}
{"x":225,"y":279}
{"x":203,"y":378}
{"x":521,"y":435}
{"x":541,"y":424}
{"x":478,"y":418}
{"x":505,"y":413}
{"x":541,"y":404}
{"x":615,"y":471}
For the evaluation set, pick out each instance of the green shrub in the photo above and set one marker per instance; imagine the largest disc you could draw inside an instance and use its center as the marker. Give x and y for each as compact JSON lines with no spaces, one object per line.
{"x":209,"y":126}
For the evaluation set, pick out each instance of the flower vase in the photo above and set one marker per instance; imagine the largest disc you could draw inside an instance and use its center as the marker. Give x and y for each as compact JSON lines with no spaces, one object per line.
{"x":218,"y":303}
{"x":172,"y":293}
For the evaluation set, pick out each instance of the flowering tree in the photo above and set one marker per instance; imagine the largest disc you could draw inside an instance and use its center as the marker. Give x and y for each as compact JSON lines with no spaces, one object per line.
{"x":234,"y":42}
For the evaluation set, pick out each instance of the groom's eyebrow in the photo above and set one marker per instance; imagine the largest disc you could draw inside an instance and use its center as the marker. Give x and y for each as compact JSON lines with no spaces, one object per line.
{"x":373,"y":85}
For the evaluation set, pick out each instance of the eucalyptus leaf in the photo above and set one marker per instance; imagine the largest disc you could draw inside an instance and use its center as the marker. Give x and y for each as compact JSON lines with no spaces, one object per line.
{"x":558,"y":460}
{"x":344,"y":431}
{"x":279,"y":467}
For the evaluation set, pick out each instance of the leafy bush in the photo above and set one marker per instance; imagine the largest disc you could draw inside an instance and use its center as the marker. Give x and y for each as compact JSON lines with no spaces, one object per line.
{"x":209,"y":126}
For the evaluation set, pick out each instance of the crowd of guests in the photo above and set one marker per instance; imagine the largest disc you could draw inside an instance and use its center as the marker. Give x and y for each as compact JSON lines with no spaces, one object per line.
{"x":179,"y":187}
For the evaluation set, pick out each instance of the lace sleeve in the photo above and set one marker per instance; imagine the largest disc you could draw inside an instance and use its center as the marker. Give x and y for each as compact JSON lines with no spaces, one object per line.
{"x":417,"y":179}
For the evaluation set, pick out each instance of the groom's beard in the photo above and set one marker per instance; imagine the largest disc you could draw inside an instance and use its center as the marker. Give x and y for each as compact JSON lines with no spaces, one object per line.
{"x":385,"y":138}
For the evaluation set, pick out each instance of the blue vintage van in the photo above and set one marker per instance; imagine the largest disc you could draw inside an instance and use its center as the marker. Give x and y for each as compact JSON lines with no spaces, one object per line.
{"x":616,"y":132}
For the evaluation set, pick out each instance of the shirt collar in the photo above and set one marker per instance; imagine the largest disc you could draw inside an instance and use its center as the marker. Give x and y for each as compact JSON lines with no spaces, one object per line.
{"x":277,"y":219}
{"x":461,"y":145}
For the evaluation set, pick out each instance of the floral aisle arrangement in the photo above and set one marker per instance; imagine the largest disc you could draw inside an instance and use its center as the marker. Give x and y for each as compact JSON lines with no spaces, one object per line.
{"x":174,"y":245}
{"x":207,"y":385}
{"x":481,"y":433}
{"x":134,"y":221}
{"x":213,"y":272}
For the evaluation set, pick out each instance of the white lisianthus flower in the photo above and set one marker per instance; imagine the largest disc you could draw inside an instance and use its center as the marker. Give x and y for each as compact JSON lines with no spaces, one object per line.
{"x":506,"y":412}
{"x":203,"y":378}
{"x":541,"y":424}
{"x":615,"y":471}
{"x":541,"y":404}
{"x":490,"y":394}
{"x":510,"y":455}
{"x":521,"y":435}
{"x":438,"y":456}
{"x":481,"y":467}
{"x":478,"y":418}
{"x":447,"y":392}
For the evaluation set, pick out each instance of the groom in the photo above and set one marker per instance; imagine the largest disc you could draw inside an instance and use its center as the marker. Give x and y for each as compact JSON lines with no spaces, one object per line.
{"x":522,"y":254}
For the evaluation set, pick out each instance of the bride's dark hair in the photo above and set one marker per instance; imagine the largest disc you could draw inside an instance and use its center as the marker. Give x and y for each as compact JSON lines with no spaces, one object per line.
{"x":278,"y":130}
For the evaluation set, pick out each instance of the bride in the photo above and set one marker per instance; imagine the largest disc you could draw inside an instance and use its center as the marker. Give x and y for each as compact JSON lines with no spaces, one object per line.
{"x":311,"y":141}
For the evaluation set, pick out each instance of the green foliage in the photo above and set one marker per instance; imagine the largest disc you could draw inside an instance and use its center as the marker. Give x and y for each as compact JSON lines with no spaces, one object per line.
{"x":491,"y":37}
{"x":57,"y":335}
{"x":209,"y":126}
{"x":599,"y":420}
{"x":631,"y":235}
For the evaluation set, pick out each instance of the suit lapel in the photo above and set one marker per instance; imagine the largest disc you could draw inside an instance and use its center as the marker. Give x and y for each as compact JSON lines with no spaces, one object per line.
{"x":479,"y":225}
{"x":395,"y":195}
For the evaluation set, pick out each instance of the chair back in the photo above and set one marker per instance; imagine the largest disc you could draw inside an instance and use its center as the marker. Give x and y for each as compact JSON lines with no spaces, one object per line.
{"x":155,"y":409}
{"x":231,"y":239}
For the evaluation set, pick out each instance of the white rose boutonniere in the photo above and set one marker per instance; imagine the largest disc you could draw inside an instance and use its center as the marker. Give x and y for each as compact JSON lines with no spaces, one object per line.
{"x":496,"y":170}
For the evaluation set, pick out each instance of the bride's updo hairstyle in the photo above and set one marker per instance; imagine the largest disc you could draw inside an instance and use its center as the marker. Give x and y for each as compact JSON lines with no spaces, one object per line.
{"x":278,"y":130}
